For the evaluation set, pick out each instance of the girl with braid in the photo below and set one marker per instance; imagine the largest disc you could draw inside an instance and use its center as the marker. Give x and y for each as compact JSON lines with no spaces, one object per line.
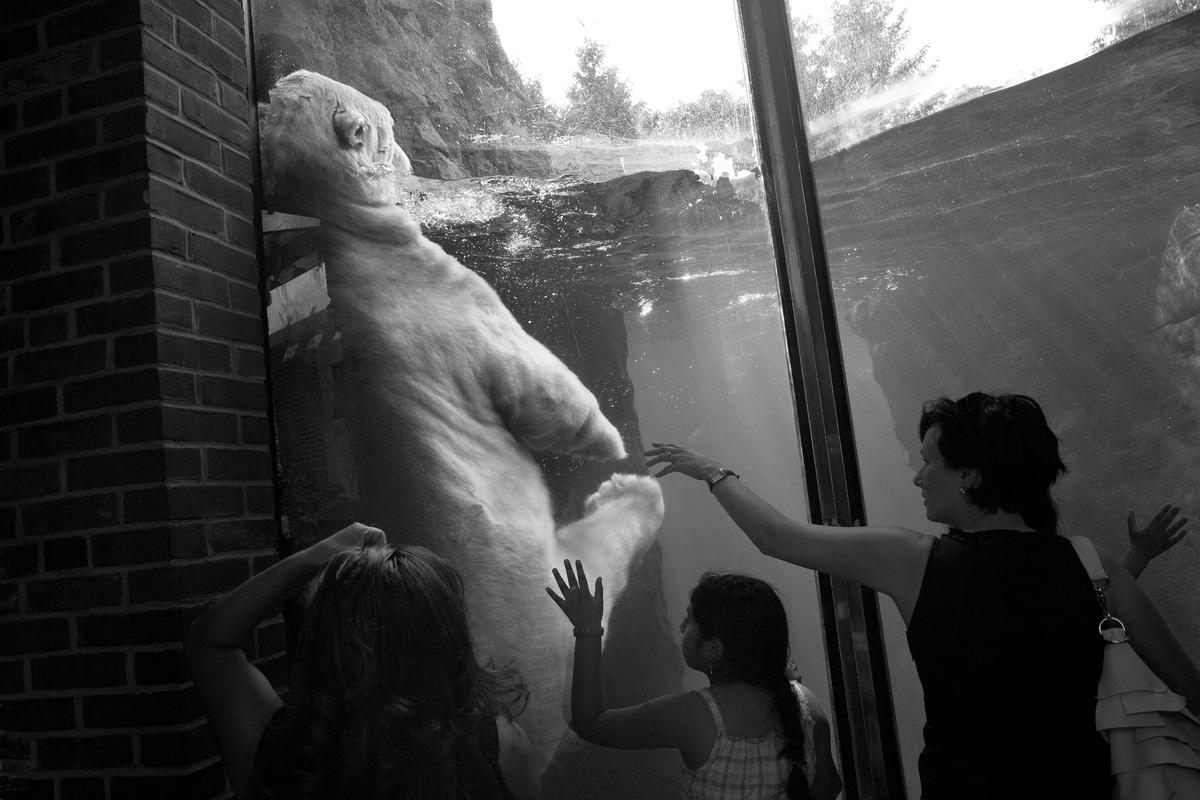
{"x":752,"y":733}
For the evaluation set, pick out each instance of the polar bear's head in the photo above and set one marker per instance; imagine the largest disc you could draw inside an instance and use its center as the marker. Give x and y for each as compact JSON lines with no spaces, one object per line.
{"x":325,"y":147}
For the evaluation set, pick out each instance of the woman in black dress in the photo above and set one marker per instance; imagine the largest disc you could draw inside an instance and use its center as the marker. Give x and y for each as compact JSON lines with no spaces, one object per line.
{"x":1001,"y":615}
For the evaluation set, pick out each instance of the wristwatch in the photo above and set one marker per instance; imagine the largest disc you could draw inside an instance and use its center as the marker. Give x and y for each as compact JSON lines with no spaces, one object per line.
{"x":718,"y":476}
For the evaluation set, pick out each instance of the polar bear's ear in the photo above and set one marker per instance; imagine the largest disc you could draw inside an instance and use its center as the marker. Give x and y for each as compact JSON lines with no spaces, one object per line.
{"x":352,"y":128}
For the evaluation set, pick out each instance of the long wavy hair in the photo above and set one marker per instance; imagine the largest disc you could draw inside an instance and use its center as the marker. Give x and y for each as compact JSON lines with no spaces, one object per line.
{"x":386,"y":697}
{"x":748,"y":617}
{"x":1005,"y":437}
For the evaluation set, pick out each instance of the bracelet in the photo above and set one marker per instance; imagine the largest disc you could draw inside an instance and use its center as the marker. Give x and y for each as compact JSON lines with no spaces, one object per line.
{"x":718,"y":476}
{"x":589,"y":633}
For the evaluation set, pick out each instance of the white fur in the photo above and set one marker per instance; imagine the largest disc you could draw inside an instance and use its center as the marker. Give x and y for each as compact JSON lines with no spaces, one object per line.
{"x":451,"y":393}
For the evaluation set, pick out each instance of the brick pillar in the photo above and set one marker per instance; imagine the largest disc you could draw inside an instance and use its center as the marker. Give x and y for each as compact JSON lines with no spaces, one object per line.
{"x":135,"y":468}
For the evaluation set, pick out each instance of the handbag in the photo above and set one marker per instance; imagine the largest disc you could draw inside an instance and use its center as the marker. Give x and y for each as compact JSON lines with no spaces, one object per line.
{"x":1153,"y":739}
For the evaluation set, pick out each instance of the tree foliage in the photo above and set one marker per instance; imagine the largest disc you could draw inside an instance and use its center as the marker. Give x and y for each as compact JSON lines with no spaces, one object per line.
{"x":600,"y":100}
{"x":861,"y":52}
{"x":1142,"y":17}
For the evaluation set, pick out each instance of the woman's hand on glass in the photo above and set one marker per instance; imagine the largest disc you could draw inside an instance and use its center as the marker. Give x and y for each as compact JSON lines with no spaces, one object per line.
{"x":584,"y":608}
{"x":680,"y":459}
{"x":1159,"y":535}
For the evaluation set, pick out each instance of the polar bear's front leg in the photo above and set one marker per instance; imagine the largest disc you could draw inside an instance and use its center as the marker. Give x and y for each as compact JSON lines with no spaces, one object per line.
{"x":620,"y":521}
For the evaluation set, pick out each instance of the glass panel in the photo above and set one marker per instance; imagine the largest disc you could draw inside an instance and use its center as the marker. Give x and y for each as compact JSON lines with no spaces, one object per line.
{"x":1009,"y":200}
{"x":612,"y":204}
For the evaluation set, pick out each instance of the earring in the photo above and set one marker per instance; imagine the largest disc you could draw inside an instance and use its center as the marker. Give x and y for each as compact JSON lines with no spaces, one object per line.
{"x":962,"y":490}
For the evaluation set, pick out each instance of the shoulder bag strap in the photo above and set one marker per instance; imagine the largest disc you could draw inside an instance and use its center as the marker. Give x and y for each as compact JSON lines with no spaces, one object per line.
{"x":1111,"y":628}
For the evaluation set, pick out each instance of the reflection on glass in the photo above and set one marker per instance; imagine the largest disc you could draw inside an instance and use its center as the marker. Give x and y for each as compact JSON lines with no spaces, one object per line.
{"x":613,"y":205}
{"x":1010,"y":200}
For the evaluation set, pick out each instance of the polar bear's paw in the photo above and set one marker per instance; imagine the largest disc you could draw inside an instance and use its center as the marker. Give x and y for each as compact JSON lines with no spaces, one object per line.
{"x":636,"y":494}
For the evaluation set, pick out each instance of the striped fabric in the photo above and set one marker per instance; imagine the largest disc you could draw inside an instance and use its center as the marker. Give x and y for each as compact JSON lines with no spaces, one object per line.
{"x":744,"y":767}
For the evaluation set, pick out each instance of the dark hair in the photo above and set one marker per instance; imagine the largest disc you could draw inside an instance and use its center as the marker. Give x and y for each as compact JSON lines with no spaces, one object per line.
{"x":1006,"y":438}
{"x":747,"y":616}
{"x":386,"y":695}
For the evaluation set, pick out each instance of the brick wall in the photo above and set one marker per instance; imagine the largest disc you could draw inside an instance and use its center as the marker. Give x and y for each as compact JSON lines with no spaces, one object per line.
{"x":135,"y":469}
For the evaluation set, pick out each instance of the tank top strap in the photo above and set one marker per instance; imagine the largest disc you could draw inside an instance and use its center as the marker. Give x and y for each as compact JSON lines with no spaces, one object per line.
{"x":707,"y":697}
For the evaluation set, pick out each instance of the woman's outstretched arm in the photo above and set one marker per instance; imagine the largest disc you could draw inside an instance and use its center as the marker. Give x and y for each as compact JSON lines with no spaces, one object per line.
{"x":1161,"y":533}
{"x":238,"y":699}
{"x":888,"y":560}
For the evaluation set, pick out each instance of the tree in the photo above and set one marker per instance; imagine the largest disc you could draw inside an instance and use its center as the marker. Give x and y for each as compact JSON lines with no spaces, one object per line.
{"x":859,"y":54}
{"x":600,"y":101}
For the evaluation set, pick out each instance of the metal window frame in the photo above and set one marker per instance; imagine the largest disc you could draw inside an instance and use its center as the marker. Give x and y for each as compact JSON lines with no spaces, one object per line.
{"x":863,"y":711}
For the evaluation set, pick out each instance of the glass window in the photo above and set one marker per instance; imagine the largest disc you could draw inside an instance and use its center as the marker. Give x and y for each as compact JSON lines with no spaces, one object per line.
{"x":601,"y":177}
{"x":1010,"y":200}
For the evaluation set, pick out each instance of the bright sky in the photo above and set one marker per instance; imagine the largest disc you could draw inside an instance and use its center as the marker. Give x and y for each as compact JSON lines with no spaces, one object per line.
{"x":670,"y":50}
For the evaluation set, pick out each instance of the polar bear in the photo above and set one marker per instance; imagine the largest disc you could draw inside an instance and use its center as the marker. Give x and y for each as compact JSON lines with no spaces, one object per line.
{"x":453,"y":395}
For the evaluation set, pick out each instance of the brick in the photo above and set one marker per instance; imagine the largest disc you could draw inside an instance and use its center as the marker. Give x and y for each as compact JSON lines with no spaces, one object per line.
{"x":41,"y":109}
{"x":18,"y":560}
{"x":237,"y":165}
{"x":53,"y":363}
{"x":122,"y":49}
{"x":205,"y":782}
{"x":99,"y":166}
{"x":158,"y":667}
{"x":57,"y":68}
{"x":189,"y":209}
{"x":227,"y":393}
{"x":27,"y":406}
{"x":112,"y":316}
{"x":109,"y":90}
{"x":235,"y":100}
{"x":8,"y":516}
{"x":85,"y":752}
{"x":126,"y":199}
{"x":179,"y":387}
{"x":61,"y":288}
{"x":142,"y":425}
{"x":18,"y":42}
{"x":228,"y":36}
{"x":187,"y":279}
{"x":49,"y":142}
{"x":183,"y":464}
{"x":60,"y":213}
{"x":256,"y":430}
{"x":12,"y":678}
{"x":124,"y":123}
{"x":230,"y":10}
{"x":220,"y":323}
{"x":27,"y":788}
{"x":145,"y":505}
{"x":147,"y":545}
{"x":116,"y":389}
{"x":16,"y":262}
{"x":40,"y":714}
{"x":104,"y":242}
{"x":8,"y":117}
{"x":176,"y":747}
{"x":156,"y":626}
{"x":29,"y":480}
{"x":10,"y":598}
{"x":66,"y":436}
{"x":22,"y":186}
{"x":164,"y":163}
{"x":82,"y":789}
{"x":78,"y":671}
{"x":180,"y":67}
{"x":260,"y":500}
{"x":199,"y":501}
{"x":115,"y":469}
{"x":239,"y":464}
{"x":34,"y":636}
{"x":47,"y":329}
{"x":69,"y":552}
{"x":257,"y":534}
{"x":161,"y":89}
{"x":135,"y":350}
{"x":223,"y":258}
{"x":167,"y":237}
{"x":226,"y":64}
{"x":211,"y":117}
{"x":181,"y":351}
{"x":90,"y":21}
{"x":241,"y":232}
{"x":140,"y":709}
{"x":177,"y":136}
{"x":72,"y":594}
{"x":212,"y":184}
{"x":70,"y":514}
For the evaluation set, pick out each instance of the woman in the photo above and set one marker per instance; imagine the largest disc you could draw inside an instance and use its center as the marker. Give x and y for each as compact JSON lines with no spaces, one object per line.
{"x":1000,"y":614}
{"x":752,"y":733}
{"x":386,"y":697}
